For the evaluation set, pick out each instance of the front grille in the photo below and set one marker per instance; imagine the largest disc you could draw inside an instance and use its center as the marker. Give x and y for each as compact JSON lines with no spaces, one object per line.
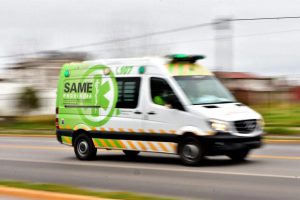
{"x":245,"y":126}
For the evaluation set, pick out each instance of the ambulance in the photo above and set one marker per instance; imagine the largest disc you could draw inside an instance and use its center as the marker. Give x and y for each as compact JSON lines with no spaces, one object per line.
{"x":169,"y":104}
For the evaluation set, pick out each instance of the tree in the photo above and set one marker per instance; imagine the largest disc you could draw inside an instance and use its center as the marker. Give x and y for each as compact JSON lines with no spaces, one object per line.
{"x":28,"y":100}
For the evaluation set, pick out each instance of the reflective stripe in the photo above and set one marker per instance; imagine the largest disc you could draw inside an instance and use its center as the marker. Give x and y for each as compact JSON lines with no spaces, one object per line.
{"x":153,"y":148}
{"x":131,"y":144}
{"x":122,"y":144}
{"x":165,"y":147}
{"x":162,"y":146}
{"x":151,"y":131}
{"x":66,"y":140}
{"x":121,"y":130}
{"x":142,"y":146}
{"x":162,"y":131}
{"x":141,"y":130}
{"x":116,"y":142}
{"x":180,"y":69}
{"x":131,"y":130}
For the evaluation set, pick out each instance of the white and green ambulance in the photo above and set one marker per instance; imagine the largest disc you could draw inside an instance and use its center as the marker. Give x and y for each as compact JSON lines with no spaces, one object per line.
{"x":166,"y":105}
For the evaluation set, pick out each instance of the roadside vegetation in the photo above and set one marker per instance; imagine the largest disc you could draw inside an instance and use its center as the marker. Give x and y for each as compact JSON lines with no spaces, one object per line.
{"x":280,"y":119}
{"x":28,"y":125}
{"x":78,"y":191}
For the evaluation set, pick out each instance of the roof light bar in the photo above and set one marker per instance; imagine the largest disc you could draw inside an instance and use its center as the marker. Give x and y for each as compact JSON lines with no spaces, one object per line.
{"x":185,"y":58}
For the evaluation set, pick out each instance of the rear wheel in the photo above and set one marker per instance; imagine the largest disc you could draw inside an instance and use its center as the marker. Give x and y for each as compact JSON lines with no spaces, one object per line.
{"x":239,"y":155}
{"x":84,"y":148}
{"x":191,"y":151}
{"x":130,"y":153}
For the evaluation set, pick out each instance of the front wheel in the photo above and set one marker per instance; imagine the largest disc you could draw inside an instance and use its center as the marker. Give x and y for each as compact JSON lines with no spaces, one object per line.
{"x":191,"y":151}
{"x":239,"y":155}
{"x":84,"y":148}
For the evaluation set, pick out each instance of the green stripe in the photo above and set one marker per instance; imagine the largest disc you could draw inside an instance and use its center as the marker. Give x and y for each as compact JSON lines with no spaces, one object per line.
{"x":98,"y":142}
{"x":116,"y":142}
{"x":180,"y":69}
{"x":63,"y":139}
{"x":107,"y":143}
{"x":171,"y":68}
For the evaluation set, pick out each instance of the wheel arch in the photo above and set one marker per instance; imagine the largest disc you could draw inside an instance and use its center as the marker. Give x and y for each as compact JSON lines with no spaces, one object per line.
{"x":76,"y":133}
{"x":182,"y":137}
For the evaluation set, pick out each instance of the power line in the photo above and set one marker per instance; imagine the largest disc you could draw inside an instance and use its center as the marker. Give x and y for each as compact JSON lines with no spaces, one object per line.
{"x":118,"y":40}
{"x":265,"y":18}
{"x":200,"y":40}
{"x":151,"y":34}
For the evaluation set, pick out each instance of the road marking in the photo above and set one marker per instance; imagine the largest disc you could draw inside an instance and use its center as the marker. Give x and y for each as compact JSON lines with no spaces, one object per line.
{"x":282,"y":141}
{"x":68,"y":149}
{"x":33,"y":147}
{"x":152,"y":168}
{"x":28,"y":135}
{"x":276,"y":157}
{"x":3,"y":140}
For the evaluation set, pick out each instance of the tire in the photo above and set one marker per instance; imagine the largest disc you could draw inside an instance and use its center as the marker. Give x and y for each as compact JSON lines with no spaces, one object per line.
{"x":191,"y":151}
{"x":130,"y":153}
{"x":84,"y":148}
{"x":239,"y":156}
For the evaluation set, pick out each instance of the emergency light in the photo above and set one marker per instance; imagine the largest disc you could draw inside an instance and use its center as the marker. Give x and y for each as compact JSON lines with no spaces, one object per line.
{"x":67,"y":73}
{"x":184,"y":58}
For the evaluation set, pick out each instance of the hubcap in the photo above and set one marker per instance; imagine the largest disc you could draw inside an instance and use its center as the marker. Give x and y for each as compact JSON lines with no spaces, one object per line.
{"x":190,"y":151}
{"x":82,"y":148}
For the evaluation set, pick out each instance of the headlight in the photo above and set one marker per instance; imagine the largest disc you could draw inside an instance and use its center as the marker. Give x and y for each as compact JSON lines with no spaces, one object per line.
{"x":261,"y":122}
{"x":219,"y":125}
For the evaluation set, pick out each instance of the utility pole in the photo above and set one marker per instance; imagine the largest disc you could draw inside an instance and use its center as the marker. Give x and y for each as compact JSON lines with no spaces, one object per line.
{"x":223,"y":44}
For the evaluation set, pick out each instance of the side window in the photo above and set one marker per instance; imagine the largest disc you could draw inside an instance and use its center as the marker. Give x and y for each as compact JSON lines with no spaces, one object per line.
{"x":160,"y":91}
{"x":128,"y":92}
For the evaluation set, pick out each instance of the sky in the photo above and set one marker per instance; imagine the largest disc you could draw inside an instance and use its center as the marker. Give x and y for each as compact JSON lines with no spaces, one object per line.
{"x":267,"y":47}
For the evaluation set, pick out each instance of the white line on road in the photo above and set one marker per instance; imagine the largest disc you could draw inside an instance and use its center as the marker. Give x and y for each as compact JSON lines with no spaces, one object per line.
{"x":153,"y":168}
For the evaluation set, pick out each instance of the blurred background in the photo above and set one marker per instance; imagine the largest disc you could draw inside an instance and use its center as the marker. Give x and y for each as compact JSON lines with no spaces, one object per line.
{"x":253,"y":47}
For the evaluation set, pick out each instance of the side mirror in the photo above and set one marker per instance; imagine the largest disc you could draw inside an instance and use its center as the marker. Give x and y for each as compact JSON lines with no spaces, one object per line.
{"x":173,"y":102}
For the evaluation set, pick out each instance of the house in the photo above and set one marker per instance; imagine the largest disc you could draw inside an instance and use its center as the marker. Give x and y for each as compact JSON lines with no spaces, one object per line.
{"x":254,"y":89}
{"x":41,"y":73}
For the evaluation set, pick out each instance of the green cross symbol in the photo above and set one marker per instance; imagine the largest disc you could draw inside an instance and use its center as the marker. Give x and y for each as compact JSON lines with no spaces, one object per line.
{"x":101,"y":90}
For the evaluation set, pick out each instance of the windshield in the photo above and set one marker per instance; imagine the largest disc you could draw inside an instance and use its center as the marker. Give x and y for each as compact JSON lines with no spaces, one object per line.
{"x":204,"y":90}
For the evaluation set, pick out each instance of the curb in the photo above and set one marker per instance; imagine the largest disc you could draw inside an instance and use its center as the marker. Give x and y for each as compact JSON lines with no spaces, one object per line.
{"x":281,"y":141}
{"x":43,"y":195}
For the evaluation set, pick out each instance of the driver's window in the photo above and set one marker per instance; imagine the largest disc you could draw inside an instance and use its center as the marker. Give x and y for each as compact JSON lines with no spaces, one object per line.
{"x":160,"y":91}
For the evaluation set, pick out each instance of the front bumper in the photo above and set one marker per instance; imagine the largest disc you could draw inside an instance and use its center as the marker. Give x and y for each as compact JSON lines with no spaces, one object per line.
{"x":225,"y":144}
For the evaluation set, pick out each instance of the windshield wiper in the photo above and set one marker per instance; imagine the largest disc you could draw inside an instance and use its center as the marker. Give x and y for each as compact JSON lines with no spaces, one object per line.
{"x":225,"y":102}
{"x":215,"y":102}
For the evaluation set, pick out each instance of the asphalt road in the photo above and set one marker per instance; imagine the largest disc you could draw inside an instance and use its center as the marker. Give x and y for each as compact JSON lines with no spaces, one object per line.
{"x":272,"y":172}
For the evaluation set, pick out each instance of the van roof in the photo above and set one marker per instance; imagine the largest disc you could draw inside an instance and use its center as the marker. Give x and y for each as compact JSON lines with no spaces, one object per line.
{"x":152,"y":65}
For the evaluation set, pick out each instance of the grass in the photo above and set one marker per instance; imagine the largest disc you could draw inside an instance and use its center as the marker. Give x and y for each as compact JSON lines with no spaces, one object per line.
{"x":78,"y":191}
{"x":29,"y":123}
{"x":280,"y":119}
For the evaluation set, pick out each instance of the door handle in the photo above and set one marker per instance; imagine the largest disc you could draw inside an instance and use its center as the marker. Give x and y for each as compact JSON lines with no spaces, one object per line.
{"x":151,"y":113}
{"x":137,"y":112}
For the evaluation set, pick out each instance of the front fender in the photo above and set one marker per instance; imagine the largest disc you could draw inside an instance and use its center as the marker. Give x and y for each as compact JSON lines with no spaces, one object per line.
{"x":195,"y":130}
